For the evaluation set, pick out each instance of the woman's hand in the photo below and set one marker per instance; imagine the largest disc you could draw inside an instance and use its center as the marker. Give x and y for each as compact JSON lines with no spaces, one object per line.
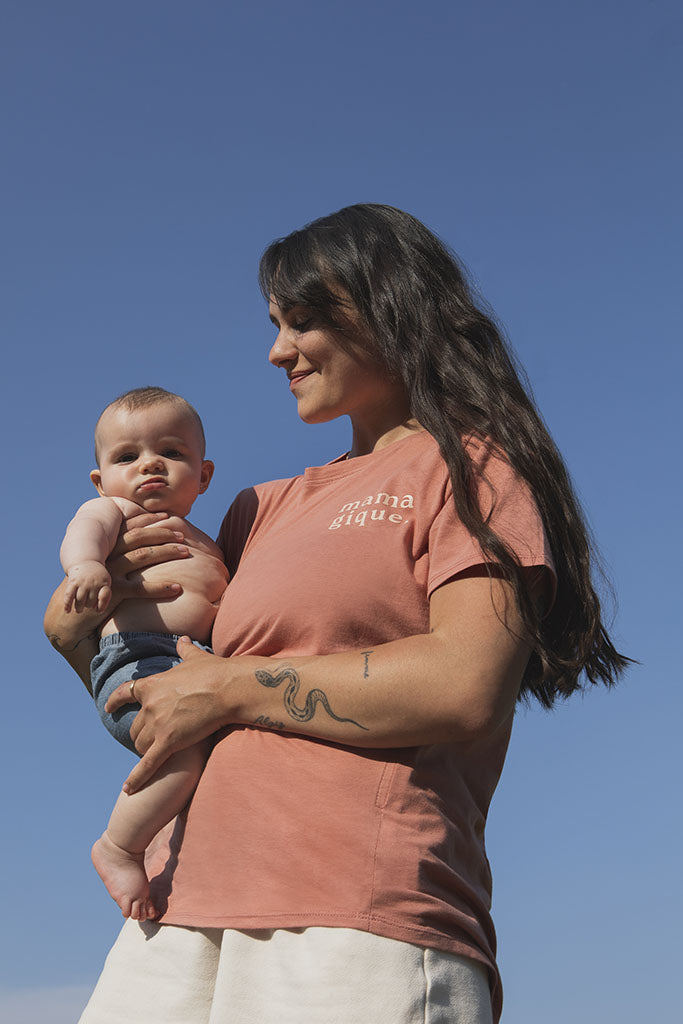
{"x":457,"y":683}
{"x":144,"y":541}
{"x":179,"y":707}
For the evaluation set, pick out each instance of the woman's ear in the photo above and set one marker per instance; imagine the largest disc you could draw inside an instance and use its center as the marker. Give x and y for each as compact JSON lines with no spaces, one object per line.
{"x":204,"y":479}
{"x":96,"y":477}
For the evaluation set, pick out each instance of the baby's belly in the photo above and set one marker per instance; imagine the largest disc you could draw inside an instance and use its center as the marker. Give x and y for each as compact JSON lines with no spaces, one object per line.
{"x":192,"y":612}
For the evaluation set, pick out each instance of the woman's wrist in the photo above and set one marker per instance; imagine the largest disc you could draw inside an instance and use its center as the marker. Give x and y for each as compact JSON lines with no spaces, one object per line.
{"x":271,"y":693}
{"x":236,"y":690}
{"x":74,"y":635}
{"x":66,"y":629}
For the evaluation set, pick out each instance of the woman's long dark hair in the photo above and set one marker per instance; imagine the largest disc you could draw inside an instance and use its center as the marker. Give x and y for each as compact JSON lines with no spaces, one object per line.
{"x":411,"y":292}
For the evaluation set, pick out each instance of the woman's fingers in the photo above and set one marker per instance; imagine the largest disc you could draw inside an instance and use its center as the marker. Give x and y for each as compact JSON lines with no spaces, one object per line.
{"x":141,"y":537}
{"x":179,"y":707}
{"x":139,"y":558}
{"x":123,"y":695}
{"x":157,"y":590}
{"x":147,"y":550}
{"x":148,"y":542}
{"x":146,"y":767}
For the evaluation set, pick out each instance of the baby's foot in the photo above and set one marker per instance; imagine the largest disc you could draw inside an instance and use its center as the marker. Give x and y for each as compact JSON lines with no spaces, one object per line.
{"x":123,"y":873}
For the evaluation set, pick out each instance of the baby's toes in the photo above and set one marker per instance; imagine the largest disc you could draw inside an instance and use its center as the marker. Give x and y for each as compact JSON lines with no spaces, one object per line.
{"x":137,"y":911}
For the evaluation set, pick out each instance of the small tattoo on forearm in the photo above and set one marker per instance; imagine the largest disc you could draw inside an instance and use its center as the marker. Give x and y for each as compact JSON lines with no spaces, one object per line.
{"x":366,"y":670}
{"x":314,"y":697}
{"x":268,"y":723}
{"x":56,"y":642}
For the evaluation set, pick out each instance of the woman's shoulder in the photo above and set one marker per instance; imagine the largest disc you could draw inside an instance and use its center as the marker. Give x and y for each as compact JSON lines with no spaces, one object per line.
{"x":249,"y":506}
{"x":488,"y":462}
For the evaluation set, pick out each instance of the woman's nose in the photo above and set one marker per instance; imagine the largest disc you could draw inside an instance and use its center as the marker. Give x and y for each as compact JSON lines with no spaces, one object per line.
{"x":284,"y":350}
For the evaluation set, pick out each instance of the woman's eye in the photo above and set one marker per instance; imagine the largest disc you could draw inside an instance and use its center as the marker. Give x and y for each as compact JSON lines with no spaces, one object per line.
{"x":303,"y":325}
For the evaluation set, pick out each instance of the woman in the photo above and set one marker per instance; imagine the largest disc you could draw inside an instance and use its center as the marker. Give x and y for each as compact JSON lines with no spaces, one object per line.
{"x":385,"y":613}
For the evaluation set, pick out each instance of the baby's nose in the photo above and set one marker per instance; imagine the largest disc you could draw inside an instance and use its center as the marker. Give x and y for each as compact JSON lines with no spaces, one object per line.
{"x":152,"y":463}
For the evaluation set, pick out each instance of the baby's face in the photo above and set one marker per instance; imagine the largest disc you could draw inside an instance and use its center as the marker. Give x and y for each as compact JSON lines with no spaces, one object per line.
{"x":151,"y":456}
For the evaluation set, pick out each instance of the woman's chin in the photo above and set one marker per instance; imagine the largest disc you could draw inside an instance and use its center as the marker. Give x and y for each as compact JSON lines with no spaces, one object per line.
{"x":313,"y":415}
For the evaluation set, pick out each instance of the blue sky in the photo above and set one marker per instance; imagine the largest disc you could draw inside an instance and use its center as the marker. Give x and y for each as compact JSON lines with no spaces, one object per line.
{"x":151,"y":151}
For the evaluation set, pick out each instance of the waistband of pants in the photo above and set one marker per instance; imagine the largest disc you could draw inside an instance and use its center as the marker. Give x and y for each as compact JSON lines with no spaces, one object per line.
{"x":117,"y":638}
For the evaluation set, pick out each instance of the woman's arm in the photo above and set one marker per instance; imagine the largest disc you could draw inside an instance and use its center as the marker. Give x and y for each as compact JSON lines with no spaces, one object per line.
{"x":75,"y":634}
{"x":459,"y":682}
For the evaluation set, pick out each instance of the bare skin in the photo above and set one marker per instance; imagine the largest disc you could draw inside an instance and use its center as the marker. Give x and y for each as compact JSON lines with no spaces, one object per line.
{"x":459,"y":682}
{"x":146,"y":541}
{"x":118,"y":855}
{"x":149,"y":459}
{"x":476,"y":638}
{"x":123,"y":873}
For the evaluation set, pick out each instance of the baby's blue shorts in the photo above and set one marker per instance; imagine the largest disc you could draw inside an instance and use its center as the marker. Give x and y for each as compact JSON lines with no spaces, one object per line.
{"x":126,"y":656}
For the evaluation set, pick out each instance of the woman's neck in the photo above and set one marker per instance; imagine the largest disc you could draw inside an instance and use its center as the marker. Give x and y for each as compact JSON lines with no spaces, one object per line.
{"x":367,"y":440}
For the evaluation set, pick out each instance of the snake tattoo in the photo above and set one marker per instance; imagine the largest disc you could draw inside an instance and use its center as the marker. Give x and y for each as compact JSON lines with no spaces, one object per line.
{"x":315,"y":697}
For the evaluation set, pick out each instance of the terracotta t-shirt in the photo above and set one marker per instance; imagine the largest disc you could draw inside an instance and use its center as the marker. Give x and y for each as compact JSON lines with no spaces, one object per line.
{"x":286,"y":831}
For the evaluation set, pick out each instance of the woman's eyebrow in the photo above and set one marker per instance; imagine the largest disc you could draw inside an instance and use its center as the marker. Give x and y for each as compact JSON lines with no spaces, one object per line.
{"x":290,"y":311}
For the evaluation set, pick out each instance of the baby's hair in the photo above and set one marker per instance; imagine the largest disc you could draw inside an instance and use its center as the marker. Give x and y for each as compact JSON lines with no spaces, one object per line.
{"x":141,"y":398}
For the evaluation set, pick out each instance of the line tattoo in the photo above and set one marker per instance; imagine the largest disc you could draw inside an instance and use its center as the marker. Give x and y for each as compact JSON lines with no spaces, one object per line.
{"x":56,"y":642}
{"x":366,"y":670}
{"x":268,"y":723}
{"x":304,"y":714}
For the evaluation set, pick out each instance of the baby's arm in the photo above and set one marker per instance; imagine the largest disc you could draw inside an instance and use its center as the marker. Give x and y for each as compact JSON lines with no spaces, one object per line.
{"x":89,"y":539}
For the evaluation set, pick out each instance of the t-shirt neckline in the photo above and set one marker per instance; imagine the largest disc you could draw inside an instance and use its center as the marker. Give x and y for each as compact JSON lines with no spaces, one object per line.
{"x":342,"y":466}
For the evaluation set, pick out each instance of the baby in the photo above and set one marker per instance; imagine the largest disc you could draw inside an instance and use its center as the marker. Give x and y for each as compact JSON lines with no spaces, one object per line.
{"x":149,"y":446}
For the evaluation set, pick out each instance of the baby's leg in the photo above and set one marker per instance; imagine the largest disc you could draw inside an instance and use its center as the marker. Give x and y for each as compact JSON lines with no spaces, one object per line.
{"x":118,"y":855}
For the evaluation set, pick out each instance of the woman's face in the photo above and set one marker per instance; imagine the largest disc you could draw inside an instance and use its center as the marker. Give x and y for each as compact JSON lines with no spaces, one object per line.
{"x":331,"y":375}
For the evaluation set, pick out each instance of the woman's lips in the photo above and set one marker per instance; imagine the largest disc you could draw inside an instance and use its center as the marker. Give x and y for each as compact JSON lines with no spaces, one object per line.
{"x":297,"y":377}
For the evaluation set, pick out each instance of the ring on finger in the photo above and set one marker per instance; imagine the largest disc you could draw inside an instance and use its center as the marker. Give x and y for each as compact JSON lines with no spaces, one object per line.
{"x":132,"y":690}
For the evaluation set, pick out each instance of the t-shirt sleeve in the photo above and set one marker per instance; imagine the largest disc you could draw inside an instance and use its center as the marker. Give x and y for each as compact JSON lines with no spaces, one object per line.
{"x":236,"y":527}
{"x":514,"y":516}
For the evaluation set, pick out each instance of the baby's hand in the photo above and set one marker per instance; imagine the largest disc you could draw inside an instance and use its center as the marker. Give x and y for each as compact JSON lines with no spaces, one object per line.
{"x":88,"y":586}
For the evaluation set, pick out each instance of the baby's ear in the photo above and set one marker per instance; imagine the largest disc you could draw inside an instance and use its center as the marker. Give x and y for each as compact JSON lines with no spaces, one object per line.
{"x":204,"y":479}
{"x":96,"y":477}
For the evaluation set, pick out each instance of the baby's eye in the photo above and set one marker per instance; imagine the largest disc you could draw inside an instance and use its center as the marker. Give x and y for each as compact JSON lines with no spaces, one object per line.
{"x":171,"y":453}
{"x":126,"y":457}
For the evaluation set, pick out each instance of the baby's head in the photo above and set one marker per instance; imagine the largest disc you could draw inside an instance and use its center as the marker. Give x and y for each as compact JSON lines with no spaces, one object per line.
{"x":149,"y":447}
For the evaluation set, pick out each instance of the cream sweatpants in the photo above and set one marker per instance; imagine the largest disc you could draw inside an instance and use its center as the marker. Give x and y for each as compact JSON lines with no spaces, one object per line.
{"x":162,"y":974}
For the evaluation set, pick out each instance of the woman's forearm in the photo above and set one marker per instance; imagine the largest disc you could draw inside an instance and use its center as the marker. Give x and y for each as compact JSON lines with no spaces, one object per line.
{"x":458,"y":682}
{"x":73,"y":634}
{"x":405,"y":693}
